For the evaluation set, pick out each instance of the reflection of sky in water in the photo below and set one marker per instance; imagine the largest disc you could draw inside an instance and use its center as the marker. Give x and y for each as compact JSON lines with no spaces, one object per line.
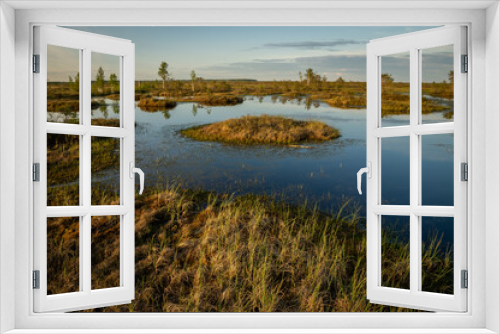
{"x":110,"y":111}
{"x":324,"y":174}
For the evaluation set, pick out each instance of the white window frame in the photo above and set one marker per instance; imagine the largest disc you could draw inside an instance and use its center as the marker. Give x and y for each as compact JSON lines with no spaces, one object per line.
{"x":414,"y":43}
{"x":86,"y":44}
{"x":484,"y":308}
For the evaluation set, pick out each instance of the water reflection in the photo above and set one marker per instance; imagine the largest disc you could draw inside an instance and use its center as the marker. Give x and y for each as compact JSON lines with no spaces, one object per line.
{"x":324,"y":174}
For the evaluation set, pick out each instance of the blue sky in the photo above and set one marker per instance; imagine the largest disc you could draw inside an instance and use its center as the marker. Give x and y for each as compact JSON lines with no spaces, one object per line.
{"x":262,"y":53}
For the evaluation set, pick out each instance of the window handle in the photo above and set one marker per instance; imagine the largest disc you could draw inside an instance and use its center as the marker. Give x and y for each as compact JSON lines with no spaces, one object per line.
{"x":368,"y":171}
{"x":133,"y":170}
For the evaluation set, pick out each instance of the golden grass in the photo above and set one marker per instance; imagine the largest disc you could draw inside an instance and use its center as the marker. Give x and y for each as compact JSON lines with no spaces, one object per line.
{"x":114,"y":97}
{"x":63,"y":106}
{"x":151,"y":104}
{"x":63,"y":164}
{"x":221,"y":93}
{"x":198,"y":251}
{"x":263,"y":129}
{"x":224,"y":100}
{"x":346,"y":101}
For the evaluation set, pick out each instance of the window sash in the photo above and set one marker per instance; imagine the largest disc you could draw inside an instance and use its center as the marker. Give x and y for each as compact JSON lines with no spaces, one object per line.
{"x":414,"y":297}
{"x":86,"y":297}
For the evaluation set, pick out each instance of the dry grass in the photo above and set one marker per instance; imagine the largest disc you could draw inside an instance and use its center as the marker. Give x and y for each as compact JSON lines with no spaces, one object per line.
{"x":211,"y":100}
{"x":151,"y":104}
{"x":198,"y":251}
{"x":228,"y":93}
{"x":63,"y":106}
{"x":202,"y":252}
{"x":63,"y":255}
{"x":263,"y":129}
{"x":63,"y":164}
{"x":346,"y":101}
{"x":114,"y":97}
{"x":225,"y":100}
{"x":70,"y":106}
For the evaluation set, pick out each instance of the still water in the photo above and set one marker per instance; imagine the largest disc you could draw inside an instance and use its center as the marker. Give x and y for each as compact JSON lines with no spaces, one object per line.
{"x":323,"y":174}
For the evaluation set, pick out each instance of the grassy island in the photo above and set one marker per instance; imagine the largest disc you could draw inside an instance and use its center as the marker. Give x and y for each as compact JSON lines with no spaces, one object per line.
{"x":224,"y":100}
{"x":150,"y":104}
{"x":263,"y":129}
{"x":215,"y":100}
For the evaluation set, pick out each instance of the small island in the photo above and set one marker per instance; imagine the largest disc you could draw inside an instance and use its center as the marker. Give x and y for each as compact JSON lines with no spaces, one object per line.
{"x":151,"y":104}
{"x":264,"y":129}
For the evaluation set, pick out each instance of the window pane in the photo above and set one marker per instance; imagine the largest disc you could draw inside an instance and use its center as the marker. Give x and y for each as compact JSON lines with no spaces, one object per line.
{"x":437,"y":254}
{"x":105,"y":171}
{"x":105,"y":90}
{"x":63,"y":170}
{"x":395,"y":90}
{"x":105,"y":252}
{"x":63,"y":255}
{"x":437,"y":84}
{"x":395,"y":167}
{"x":437,"y":170}
{"x":63,"y":84}
{"x":396,"y":252}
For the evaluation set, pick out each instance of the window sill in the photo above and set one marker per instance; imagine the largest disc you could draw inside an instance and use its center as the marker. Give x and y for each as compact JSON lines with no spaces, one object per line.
{"x":251,"y":331}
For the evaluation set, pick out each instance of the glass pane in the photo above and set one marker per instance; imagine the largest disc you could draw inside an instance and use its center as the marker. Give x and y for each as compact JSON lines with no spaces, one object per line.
{"x":437,"y":84}
{"x":437,"y":170}
{"x":105,"y":171}
{"x":395,"y":167}
{"x":395,"y":90}
{"x":105,"y":90}
{"x":437,"y":254}
{"x":63,"y":255}
{"x":63,"y":84}
{"x":63,"y":170}
{"x":396,"y":252}
{"x":105,"y":249}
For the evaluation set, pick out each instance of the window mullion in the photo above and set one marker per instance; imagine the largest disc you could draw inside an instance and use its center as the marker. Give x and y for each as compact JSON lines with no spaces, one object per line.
{"x":414,"y":173}
{"x":86,"y":171}
{"x":81,"y":250}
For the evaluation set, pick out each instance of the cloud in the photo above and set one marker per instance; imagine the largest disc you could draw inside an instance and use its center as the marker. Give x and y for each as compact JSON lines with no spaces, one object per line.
{"x":312,"y":45}
{"x":274,"y":60}
{"x":352,"y":67}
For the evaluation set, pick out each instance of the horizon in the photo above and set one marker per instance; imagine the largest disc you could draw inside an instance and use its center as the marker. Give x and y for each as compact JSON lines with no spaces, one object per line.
{"x":265,"y":54}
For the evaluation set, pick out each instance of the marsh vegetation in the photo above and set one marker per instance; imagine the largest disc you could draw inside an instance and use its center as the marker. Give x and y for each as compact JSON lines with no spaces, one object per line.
{"x":225,"y":250}
{"x":198,"y":251}
{"x":264,"y":129}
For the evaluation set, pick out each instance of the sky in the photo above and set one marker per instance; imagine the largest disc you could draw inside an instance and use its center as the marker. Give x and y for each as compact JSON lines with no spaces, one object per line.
{"x":260,"y":53}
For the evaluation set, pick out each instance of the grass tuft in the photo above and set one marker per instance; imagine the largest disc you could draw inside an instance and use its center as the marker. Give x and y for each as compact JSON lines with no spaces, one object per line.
{"x":198,"y":251}
{"x":263,"y":129}
{"x":151,"y":104}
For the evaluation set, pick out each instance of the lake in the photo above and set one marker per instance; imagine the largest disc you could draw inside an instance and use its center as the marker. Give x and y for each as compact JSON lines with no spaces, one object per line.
{"x":322,"y":174}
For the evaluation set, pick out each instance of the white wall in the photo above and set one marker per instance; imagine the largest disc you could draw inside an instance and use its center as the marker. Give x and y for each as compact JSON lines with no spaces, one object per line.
{"x":492,"y":166}
{"x":483,"y":106}
{"x":7,"y":162}
{"x":265,"y":17}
